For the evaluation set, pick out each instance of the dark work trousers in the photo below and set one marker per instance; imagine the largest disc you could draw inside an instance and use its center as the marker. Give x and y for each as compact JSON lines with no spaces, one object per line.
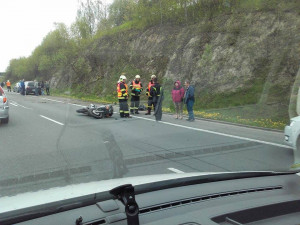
{"x":135,"y":103}
{"x":36,"y":91}
{"x":158,"y":109}
{"x":150,"y":104}
{"x":124,"y":111}
{"x":189,"y":106}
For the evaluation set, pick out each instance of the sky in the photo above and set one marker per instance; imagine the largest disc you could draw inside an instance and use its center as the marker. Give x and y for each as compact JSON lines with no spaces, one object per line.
{"x":24,"y":24}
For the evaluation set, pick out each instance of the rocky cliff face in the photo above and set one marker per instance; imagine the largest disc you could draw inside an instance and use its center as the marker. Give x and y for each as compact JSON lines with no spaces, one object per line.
{"x":229,"y":54}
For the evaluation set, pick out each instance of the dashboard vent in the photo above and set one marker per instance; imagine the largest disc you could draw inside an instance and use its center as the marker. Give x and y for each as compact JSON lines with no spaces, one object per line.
{"x":95,"y":222}
{"x":191,"y":223}
{"x":205,"y":198}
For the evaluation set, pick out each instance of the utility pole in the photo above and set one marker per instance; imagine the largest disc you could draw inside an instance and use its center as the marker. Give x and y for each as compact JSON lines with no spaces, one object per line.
{"x":185,"y":11}
{"x":160,"y":12}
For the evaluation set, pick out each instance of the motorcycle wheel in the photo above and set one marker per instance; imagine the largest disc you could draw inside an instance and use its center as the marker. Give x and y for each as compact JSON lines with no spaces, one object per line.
{"x":95,"y":114}
{"x":82,"y":110}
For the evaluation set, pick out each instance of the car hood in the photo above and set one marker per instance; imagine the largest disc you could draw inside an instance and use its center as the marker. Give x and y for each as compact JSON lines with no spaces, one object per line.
{"x":29,"y":199}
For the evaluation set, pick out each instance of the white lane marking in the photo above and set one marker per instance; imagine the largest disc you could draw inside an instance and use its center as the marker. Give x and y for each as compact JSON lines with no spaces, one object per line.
{"x":53,"y":100}
{"x":218,"y":133}
{"x":13,"y":104}
{"x":17,"y":104}
{"x":62,"y":102}
{"x":175,"y":170}
{"x":47,"y":118}
{"x":145,"y":118}
{"x":24,"y":106}
{"x":76,"y":105}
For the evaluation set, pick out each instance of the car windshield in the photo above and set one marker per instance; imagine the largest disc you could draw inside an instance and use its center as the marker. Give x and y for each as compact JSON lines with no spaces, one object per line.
{"x":130,"y":88}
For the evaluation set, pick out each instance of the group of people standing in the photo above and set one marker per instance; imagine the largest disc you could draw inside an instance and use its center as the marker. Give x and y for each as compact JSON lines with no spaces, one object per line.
{"x":42,"y":86}
{"x":8,"y":85}
{"x":154,"y":93}
{"x":186,"y":96}
{"x":155,"y":96}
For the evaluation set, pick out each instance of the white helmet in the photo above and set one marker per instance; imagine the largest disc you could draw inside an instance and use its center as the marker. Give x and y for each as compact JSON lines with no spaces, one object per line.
{"x":137,"y":76}
{"x":153,"y":76}
{"x":122,"y":77}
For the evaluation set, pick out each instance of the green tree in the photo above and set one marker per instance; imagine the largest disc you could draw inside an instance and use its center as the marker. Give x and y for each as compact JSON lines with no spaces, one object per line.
{"x":121,"y":11}
{"x":91,"y":16}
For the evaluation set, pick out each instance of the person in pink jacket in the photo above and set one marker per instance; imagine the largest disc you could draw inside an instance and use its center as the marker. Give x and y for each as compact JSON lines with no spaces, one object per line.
{"x":177,"y":96}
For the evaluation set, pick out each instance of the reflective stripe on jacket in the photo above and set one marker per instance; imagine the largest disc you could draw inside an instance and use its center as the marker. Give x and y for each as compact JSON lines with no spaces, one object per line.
{"x":155,"y":91}
{"x":122,"y":90}
{"x":149,"y":88}
{"x":136,"y":88}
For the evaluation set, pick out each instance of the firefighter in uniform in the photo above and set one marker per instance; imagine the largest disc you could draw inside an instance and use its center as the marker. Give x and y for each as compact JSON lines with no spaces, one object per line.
{"x":136,"y":89}
{"x":157,"y":95}
{"x":122,"y":90}
{"x":150,"y":98}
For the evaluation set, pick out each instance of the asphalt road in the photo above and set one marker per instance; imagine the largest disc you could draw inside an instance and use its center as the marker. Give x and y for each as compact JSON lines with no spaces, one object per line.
{"x":47,"y":144}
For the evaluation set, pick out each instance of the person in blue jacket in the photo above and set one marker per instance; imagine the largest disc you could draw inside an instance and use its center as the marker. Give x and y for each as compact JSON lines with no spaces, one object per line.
{"x":22,"y":84}
{"x":189,"y":100}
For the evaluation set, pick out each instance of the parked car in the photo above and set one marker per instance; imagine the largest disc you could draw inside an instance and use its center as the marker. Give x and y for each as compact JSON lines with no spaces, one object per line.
{"x":292,"y":138}
{"x":30,"y":89}
{"x":292,"y":133}
{"x":4,"y":107}
{"x":17,"y":88}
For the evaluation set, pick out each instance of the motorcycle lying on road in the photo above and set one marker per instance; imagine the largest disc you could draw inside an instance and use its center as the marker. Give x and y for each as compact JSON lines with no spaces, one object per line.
{"x":97,"y":112}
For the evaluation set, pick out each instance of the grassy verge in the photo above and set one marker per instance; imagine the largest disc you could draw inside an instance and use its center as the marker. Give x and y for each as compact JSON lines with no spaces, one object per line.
{"x":244,"y":115}
{"x":239,"y":119}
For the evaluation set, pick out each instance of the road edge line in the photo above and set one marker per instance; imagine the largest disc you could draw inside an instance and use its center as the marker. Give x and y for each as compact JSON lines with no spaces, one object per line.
{"x":217,"y":133}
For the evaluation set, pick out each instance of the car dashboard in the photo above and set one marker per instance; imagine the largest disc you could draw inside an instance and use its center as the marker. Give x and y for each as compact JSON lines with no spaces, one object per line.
{"x":256,"y":200}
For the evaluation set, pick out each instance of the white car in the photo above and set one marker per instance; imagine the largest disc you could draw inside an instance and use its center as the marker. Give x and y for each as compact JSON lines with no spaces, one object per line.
{"x":4,"y":107}
{"x":292,"y":133}
{"x":292,"y":138}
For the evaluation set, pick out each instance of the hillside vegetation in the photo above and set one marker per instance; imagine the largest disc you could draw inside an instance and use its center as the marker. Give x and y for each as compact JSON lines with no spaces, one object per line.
{"x":242,"y":56}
